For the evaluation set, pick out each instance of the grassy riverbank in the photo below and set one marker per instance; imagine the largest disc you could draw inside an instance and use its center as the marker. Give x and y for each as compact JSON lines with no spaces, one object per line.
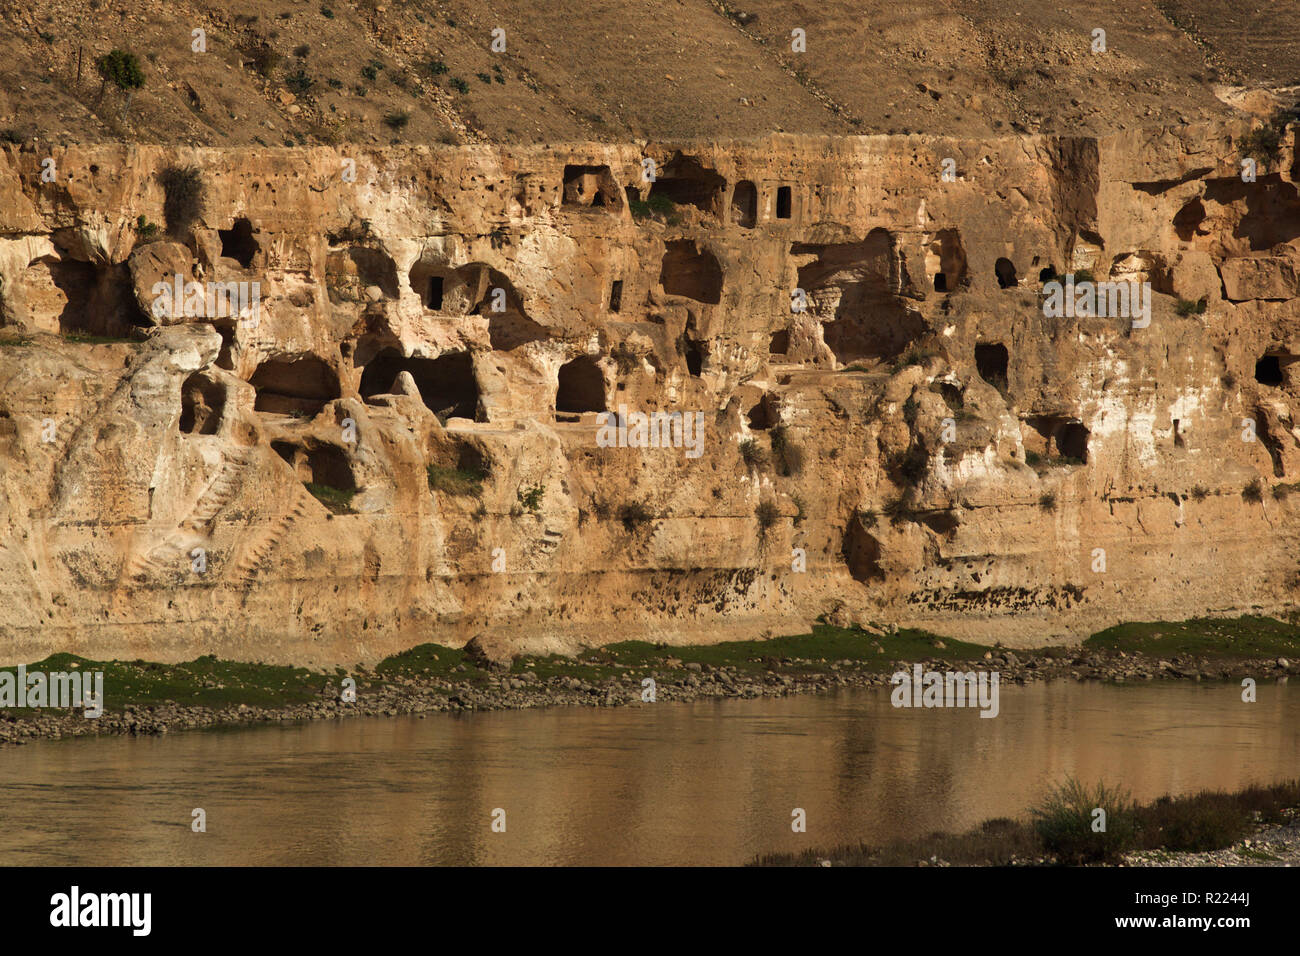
{"x":147,"y":697}
{"x":1257,"y":826}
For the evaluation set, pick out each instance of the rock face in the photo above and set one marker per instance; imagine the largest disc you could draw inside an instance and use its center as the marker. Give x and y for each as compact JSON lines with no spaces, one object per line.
{"x":357,"y":402}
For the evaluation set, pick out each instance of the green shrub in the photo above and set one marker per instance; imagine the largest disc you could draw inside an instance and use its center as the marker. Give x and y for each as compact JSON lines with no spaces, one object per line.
{"x":1253,"y":491}
{"x":301,"y":50}
{"x":337,"y":500}
{"x":326,"y":12}
{"x":1200,"y":492}
{"x":655,"y":207}
{"x":1207,"y":821}
{"x":435,"y":67}
{"x":767,"y":514}
{"x":459,"y":85}
{"x":371,"y":70}
{"x":1064,"y":822}
{"x":1047,"y":501}
{"x":122,"y":69}
{"x":484,"y":78}
{"x":145,"y":229}
{"x":531,"y":498}
{"x":396,"y":119}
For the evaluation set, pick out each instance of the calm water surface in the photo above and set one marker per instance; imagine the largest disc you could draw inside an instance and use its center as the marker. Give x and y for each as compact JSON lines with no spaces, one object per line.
{"x":708,"y":782}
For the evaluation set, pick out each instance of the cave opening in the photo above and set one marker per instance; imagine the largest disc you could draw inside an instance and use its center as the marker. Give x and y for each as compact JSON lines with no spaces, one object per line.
{"x":581,"y":386}
{"x":238,"y":243}
{"x":940,"y":282}
{"x":1189,"y":219}
{"x":590,"y":187}
{"x":779,"y":343}
{"x":783,"y":202}
{"x":693,"y":352}
{"x":690,"y":271}
{"x":329,"y":466}
{"x":686,"y":181}
{"x":1047,"y":274}
{"x":298,"y":386}
{"x":446,"y":384}
{"x":1072,"y":441}
{"x":433,"y":294}
{"x":1005,"y":271}
{"x":744,"y":204}
{"x":991,"y":360}
{"x":1268,"y":371}
{"x":616,"y":295}
{"x":853,"y":291}
{"x":202,"y":403}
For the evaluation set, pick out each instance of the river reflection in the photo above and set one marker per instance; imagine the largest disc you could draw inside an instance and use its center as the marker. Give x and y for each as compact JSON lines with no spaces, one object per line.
{"x":703,"y":783}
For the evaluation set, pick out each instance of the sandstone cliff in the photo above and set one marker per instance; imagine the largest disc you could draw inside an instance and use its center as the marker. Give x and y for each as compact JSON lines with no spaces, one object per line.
{"x":399,"y":444}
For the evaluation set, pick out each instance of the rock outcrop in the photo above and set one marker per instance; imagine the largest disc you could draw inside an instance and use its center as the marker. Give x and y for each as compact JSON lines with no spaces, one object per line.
{"x":355,"y":404}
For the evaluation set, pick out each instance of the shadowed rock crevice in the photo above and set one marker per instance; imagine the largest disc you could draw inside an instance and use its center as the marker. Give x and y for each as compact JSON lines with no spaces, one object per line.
{"x":691,"y":271}
{"x":298,"y":386}
{"x":446,"y":384}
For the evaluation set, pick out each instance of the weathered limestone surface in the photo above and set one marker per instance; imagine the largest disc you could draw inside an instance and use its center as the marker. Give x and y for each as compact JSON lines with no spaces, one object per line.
{"x":943,"y":454}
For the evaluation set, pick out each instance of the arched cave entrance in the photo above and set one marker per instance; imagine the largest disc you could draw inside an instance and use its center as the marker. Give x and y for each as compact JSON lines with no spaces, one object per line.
{"x":991,"y":360}
{"x":202,"y":402}
{"x":581,"y":386}
{"x":1006,"y":273}
{"x":744,"y":204}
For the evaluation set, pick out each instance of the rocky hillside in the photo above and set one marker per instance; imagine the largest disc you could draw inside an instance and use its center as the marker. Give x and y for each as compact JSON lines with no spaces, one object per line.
{"x":308,"y":72}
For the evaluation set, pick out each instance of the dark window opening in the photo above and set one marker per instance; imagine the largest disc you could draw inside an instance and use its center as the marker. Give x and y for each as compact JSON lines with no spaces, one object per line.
{"x":581,"y":386}
{"x":1268,"y":371}
{"x":1047,"y":275}
{"x":434,"y":300}
{"x":446,"y":384}
{"x":783,"y":202}
{"x":1188,"y":220}
{"x":1006,"y":273}
{"x":616,"y":295}
{"x":764,"y":414}
{"x":1072,"y":442}
{"x":1178,"y":435}
{"x":238,"y":243}
{"x":780,"y":343}
{"x":286,"y":450}
{"x":694,"y":355}
{"x":744,"y":204}
{"x":940,"y":282}
{"x":991,"y":363}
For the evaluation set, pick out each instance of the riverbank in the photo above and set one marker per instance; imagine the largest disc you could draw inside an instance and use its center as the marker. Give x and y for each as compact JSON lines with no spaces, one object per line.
{"x":1258,"y":826}
{"x":152,"y":698}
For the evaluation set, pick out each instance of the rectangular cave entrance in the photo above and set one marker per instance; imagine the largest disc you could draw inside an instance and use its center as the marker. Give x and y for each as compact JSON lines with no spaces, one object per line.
{"x":991,"y":363}
{"x":744,"y":204}
{"x":446,"y":385}
{"x":298,"y":386}
{"x":783,"y":202}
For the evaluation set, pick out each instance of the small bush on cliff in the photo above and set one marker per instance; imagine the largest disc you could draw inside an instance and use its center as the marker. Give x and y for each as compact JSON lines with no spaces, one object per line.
{"x":1065,"y":819}
{"x":1264,"y":143}
{"x":1200,"y":492}
{"x":1187,"y":307}
{"x":788,"y":455}
{"x":751,"y":454}
{"x":767,"y":514}
{"x":182,"y":197}
{"x":396,"y":119}
{"x":1047,"y":501}
{"x":1253,"y":491}
{"x":120,"y":68}
{"x":531,"y":498}
{"x":337,"y":500}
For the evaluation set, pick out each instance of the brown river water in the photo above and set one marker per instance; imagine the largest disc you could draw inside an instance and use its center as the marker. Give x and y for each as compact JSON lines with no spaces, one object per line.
{"x":710,"y":782}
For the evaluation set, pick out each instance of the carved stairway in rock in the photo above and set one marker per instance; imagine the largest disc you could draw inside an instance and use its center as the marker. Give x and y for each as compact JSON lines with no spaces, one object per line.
{"x":173,"y":553}
{"x":255,"y":556}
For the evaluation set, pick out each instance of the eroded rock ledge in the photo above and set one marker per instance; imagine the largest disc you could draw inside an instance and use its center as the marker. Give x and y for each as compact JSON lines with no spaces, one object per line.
{"x":940,"y":453}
